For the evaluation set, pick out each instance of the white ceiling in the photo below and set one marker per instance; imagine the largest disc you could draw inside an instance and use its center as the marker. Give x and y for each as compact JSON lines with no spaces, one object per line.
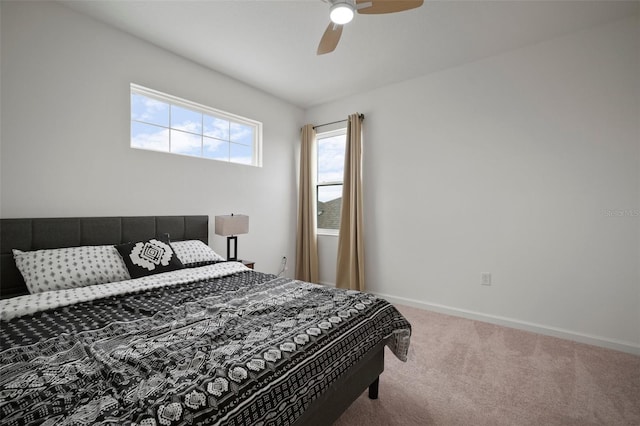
{"x":271,"y":45}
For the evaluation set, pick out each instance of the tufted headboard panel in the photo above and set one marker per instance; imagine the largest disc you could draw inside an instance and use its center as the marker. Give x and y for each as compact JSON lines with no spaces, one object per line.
{"x":45,"y":233}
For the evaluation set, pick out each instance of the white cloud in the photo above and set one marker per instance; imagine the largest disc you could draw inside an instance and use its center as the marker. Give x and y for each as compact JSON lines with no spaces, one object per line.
{"x":213,"y":144}
{"x":188,"y":126}
{"x":216,"y":127}
{"x":186,"y":143}
{"x":158,"y":141}
{"x":331,"y":159}
{"x":241,"y":133}
{"x":149,"y":110}
{"x":328,"y":193}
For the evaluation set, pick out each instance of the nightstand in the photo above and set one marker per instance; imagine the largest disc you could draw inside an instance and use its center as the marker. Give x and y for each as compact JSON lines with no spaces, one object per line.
{"x":248,"y":263}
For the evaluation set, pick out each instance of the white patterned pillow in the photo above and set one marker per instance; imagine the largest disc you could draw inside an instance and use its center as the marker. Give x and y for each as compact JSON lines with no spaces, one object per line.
{"x":195,"y":253}
{"x":57,"y":269}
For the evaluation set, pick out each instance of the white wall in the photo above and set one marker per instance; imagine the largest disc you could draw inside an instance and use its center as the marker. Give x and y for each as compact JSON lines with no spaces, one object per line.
{"x":65,"y":133}
{"x":510,"y":165}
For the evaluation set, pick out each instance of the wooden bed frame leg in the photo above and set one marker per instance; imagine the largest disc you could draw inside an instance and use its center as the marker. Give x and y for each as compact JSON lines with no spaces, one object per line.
{"x":373,"y":389}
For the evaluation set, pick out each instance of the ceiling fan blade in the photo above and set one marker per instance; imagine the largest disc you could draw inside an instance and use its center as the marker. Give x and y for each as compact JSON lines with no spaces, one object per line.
{"x":371,"y":7}
{"x":330,"y":39}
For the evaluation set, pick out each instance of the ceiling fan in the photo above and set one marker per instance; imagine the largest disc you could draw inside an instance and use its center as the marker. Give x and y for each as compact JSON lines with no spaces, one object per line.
{"x":342,"y":12}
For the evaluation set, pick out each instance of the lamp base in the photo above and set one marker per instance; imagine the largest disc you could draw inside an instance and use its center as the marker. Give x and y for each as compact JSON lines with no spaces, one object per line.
{"x":235,"y":248}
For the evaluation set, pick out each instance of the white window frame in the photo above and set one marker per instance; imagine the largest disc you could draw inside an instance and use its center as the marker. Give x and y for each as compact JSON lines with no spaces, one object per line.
{"x":199,"y":108}
{"x":318,"y":184}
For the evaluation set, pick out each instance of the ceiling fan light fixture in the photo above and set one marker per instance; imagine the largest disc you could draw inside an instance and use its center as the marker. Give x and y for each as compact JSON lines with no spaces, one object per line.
{"x":341,"y":13}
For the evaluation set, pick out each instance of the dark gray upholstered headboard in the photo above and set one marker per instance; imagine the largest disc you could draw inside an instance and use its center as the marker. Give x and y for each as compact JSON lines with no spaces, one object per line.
{"x":44,"y":233}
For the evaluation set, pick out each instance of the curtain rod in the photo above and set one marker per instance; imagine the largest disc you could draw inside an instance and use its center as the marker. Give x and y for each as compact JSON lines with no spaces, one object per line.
{"x":336,"y":122}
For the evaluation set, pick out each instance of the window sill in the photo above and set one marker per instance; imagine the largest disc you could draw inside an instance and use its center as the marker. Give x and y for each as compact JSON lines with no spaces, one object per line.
{"x":329,"y":232}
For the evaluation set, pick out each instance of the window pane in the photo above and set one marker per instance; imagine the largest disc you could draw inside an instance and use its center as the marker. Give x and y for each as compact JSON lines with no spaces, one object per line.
{"x":216,"y":127}
{"x":241,"y":133}
{"x":166,"y":123}
{"x":148,"y":136}
{"x":185,"y":119}
{"x":149,"y":110}
{"x":329,"y":204}
{"x":241,"y":154}
{"x":215,"y":148}
{"x":331,"y":158}
{"x":186,"y":143}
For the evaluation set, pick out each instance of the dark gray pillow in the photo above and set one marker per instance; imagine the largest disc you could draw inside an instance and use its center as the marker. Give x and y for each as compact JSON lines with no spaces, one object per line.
{"x":150,"y":257}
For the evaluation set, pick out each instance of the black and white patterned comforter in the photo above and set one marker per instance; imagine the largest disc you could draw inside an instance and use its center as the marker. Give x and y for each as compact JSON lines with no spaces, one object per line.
{"x":244,"y":348}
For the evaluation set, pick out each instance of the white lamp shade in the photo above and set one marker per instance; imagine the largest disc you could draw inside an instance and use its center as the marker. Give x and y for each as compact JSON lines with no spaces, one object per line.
{"x":235,"y":224}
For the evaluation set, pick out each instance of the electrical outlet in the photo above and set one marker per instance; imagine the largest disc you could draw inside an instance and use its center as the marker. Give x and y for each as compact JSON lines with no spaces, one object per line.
{"x":485,"y":278}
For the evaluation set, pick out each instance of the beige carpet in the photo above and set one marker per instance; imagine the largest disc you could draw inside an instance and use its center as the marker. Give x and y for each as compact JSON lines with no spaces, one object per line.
{"x":464,"y":372}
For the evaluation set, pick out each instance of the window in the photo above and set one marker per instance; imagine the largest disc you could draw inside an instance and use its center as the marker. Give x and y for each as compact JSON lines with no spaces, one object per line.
{"x":331,"y":149}
{"x":161,"y":122}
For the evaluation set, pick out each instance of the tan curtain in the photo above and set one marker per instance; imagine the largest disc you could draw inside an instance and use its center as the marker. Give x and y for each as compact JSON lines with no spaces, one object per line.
{"x":350,"y":269}
{"x":306,"y":239}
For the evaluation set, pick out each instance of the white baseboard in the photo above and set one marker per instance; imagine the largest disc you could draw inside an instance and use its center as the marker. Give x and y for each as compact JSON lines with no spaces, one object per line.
{"x":513,"y":323}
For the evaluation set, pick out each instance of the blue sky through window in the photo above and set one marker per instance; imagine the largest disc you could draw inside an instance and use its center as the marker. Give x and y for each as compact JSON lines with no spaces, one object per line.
{"x":186,"y":120}
{"x":216,"y":127}
{"x":164,"y":126}
{"x":331,"y":166}
{"x":149,"y":110}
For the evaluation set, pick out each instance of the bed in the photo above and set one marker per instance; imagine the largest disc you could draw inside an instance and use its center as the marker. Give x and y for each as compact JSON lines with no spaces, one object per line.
{"x":206,"y":342}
